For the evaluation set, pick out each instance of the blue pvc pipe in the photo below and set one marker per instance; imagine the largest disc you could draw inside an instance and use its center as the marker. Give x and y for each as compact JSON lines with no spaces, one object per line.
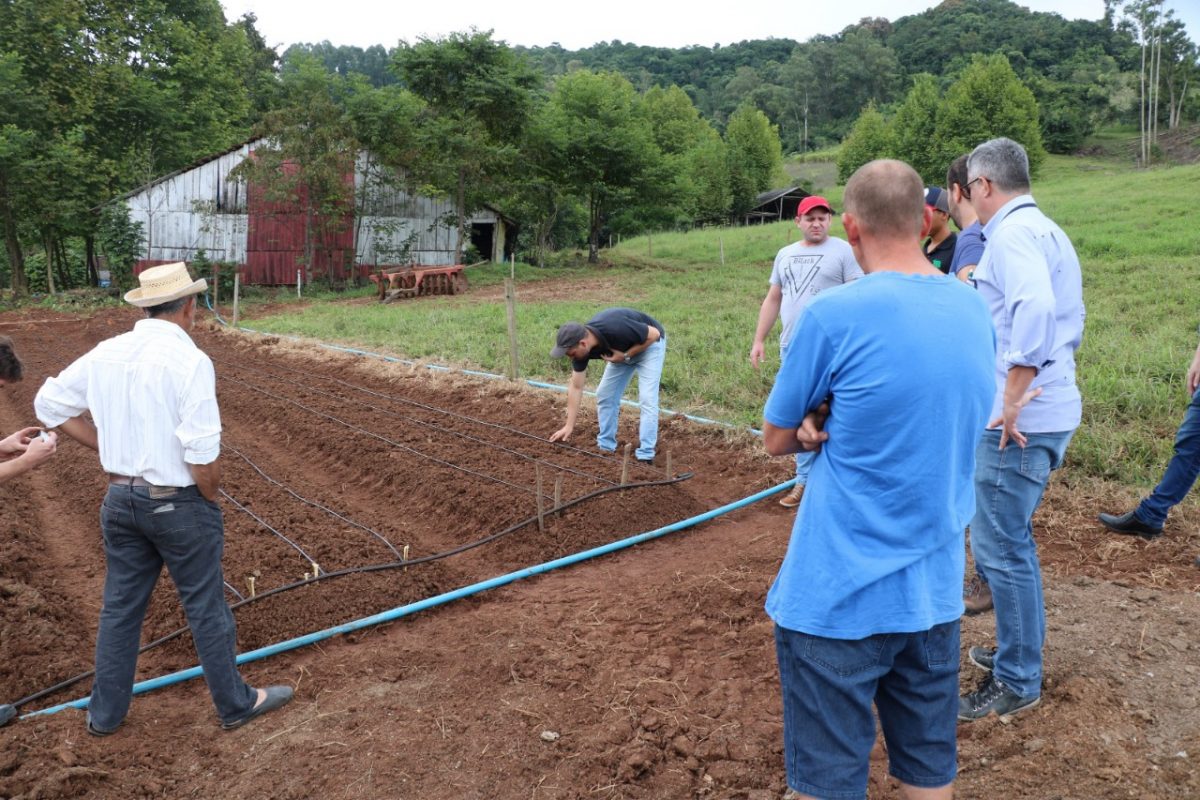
{"x":437,"y":600}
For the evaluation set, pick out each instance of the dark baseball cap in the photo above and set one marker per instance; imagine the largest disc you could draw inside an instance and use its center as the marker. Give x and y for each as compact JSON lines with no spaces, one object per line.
{"x":936,"y":198}
{"x":569,"y":335}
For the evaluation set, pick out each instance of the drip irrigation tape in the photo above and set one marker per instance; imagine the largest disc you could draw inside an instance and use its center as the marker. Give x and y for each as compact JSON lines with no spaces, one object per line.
{"x":312,"y":503}
{"x":439,"y":428}
{"x":392,"y":442}
{"x":441,"y":599}
{"x":261,"y":521}
{"x":412,"y":562}
{"x":447,"y":412}
{"x":478,"y":373}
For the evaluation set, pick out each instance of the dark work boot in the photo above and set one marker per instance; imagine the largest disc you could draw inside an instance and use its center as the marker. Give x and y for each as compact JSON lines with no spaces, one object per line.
{"x":1130,"y":525}
{"x":977,"y":598}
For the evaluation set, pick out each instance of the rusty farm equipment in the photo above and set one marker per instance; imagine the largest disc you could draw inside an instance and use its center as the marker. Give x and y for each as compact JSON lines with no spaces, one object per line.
{"x":398,"y":283}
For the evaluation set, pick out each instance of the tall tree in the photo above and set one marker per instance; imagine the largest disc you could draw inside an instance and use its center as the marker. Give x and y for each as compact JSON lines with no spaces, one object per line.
{"x":307,"y":158}
{"x":478,"y":96}
{"x":914,"y":130}
{"x":754,"y":155}
{"x":987,"y":101}
{"x":869,"y":139}
{"x":608,"y":155}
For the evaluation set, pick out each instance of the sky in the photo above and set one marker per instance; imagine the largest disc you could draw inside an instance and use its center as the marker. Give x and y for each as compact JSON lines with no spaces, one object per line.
{"x":661,"y":23}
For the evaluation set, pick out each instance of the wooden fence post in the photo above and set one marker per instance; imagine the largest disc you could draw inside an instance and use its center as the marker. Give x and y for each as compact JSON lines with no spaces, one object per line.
{"x":510,"y":304}
{"x":237,"y":282}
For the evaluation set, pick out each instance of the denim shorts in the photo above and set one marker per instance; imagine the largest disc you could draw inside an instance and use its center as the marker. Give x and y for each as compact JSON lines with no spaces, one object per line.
{"x":829,"y":686}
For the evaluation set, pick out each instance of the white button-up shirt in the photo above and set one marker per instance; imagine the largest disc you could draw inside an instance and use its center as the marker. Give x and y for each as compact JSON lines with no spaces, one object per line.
{"x":152,"y":395}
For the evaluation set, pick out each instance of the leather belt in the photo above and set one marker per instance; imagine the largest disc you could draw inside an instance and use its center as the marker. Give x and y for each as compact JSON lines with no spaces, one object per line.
{"x":127,"y":480}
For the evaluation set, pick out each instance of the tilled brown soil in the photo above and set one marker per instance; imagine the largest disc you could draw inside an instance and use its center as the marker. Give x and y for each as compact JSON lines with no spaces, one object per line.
{"x":645,"y":674}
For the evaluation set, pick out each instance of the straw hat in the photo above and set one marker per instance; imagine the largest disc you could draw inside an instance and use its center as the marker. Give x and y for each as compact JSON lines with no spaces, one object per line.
{"x":162,"y":284}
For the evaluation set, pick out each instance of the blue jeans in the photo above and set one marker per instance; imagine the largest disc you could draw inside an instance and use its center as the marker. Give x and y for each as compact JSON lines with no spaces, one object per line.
{"x":828,"y":688}
{"x":1009,"y":484}
{"x":141,"y":533}
{"x":648,"y":365}
{"x":1181,"y":471}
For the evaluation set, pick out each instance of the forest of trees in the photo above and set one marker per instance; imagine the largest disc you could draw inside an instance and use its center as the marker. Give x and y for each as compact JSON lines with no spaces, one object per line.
{"x":98,"y":97}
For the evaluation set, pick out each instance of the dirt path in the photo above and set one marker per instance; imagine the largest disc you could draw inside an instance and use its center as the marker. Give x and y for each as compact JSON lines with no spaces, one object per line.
{"x":645,"y":674}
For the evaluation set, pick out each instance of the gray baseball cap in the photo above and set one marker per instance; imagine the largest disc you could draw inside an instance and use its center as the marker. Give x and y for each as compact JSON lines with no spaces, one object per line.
{"x":569,"y":335}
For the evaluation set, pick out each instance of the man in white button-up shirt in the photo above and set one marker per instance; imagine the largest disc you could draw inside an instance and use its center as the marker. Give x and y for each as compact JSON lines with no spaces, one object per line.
{"x":154,"y":421}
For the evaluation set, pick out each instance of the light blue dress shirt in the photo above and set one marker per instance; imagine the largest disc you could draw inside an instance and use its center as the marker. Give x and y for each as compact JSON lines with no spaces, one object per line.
{"x":1030,"y":278}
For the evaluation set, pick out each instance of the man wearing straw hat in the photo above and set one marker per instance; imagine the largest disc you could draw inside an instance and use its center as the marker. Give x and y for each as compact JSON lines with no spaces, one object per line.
{"x":155,"y":423}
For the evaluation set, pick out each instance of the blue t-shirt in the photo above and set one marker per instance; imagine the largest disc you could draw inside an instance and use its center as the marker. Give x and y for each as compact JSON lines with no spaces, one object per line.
{"x":877,"y":546}
{"x":969,"y":249}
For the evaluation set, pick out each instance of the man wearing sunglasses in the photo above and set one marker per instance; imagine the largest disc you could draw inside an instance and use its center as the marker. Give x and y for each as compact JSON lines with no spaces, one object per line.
{"x":1029,"y":276}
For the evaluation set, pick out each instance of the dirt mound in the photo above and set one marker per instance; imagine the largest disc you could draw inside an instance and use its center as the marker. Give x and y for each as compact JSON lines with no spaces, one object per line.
{"x":646,"y":674}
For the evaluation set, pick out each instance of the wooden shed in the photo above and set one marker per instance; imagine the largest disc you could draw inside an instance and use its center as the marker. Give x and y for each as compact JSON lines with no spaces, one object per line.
{"x":775,"y":205}
{"x":201,"y":207}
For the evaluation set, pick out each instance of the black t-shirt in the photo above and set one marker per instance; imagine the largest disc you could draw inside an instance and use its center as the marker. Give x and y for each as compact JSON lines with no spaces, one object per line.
{"x":943,"y":254}
{"x":617,"y":329}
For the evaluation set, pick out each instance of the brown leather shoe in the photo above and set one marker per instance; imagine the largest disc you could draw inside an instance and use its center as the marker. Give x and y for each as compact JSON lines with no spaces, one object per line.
{"x":977,"y":598}
{"x":792,"y":498}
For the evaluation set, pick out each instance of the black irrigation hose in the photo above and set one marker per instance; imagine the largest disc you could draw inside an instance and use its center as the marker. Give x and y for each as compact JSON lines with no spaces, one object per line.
{"x":392,"y":442}
{"x":456,"y":415}
{"x":313,"y":503}
{"x":263,"y":522}
{"x":438,"y":428}
{"x":357,"y":570}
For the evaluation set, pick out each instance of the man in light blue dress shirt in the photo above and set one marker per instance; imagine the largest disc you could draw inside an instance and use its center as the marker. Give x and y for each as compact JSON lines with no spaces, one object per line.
{"x":1029,"y":276}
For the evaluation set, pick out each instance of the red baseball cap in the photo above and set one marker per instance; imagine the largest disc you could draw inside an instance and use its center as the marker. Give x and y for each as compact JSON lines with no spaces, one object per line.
{"x":811,"y":202}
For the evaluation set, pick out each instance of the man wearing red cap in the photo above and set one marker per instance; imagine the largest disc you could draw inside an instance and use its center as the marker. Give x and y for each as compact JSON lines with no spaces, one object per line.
{"x":802,"y":270}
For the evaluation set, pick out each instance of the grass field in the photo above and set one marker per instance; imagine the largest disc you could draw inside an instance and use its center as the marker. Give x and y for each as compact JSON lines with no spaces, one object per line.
{"x":1135,"y":231}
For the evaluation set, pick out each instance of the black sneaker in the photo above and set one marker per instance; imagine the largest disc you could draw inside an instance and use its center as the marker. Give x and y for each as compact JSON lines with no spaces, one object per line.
{"x":983,"y":657}
{"x":1130,"y":525}
{"x":992,"y":695}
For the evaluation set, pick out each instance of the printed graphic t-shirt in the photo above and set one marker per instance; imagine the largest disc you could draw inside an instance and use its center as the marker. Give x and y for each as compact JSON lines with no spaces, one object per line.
{"x":802,"y":271}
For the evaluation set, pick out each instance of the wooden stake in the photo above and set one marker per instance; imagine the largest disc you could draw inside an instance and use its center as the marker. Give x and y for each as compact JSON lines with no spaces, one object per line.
{"x":510,"y":304}
{"x":557,"y":491}
{"x":541,"y":522}
{"x":237,"y":277}
{"x":404,"y":556}
{"x":250,"y":583}
{"x":625,"y":463}
{"x":669,"y":473}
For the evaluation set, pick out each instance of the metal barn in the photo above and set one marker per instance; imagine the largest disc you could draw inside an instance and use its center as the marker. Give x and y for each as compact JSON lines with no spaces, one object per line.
{"x":201,"y":208}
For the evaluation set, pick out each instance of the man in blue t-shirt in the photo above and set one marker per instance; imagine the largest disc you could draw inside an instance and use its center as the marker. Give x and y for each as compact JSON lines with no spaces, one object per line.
{"x":867,"y":602}
{"x":630,"y":342}
{"x":969,"y":248}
